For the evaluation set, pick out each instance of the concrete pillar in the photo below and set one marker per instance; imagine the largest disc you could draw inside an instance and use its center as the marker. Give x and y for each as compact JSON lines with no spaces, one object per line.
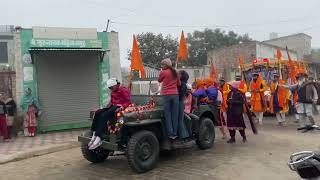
{"x":114,"y":55}
{"x":18,"y":69}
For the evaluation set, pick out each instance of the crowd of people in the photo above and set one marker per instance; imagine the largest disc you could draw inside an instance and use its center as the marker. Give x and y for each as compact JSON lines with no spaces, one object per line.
{"x":181,"y":98}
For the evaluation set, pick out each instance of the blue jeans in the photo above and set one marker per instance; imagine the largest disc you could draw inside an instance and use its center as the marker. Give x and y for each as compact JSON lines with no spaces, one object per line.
{"x":171,"y":107}
{"x":182,"y":129}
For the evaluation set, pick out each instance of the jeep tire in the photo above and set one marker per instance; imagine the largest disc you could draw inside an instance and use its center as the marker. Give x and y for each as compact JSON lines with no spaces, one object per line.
{"x":206,"y":136}
{"x":95,"y":156}
{"x":143,"y":151}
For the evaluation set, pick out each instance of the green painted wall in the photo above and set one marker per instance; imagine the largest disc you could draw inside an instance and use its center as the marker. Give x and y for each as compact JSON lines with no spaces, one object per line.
{"x":30,"y":78}
{"x":29,"y":70}
{"x":104,"y":71}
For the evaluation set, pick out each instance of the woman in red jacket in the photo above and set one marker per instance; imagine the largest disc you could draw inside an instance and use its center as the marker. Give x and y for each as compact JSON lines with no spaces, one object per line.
{"x":170,"y":82}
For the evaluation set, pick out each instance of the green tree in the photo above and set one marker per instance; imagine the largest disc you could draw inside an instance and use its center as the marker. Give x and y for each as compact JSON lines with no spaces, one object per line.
{"x":155,"y":47}
{"x":200,"y":42}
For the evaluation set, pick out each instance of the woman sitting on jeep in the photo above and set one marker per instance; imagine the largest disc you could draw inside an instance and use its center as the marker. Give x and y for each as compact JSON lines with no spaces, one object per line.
{"x":120,"y":98}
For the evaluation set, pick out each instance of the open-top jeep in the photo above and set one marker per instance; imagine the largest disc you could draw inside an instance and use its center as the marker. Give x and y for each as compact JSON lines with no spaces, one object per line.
{"x":141,"y":134}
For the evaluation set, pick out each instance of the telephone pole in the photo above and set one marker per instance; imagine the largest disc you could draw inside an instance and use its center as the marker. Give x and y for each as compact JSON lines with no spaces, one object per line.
{"x":108,"y":25}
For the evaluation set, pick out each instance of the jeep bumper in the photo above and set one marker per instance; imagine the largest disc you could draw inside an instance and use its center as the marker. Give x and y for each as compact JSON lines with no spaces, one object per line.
{"x":104,"y":145}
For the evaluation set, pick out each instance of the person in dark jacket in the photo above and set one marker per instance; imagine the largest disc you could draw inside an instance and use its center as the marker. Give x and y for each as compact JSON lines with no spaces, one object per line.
{"x":307,"y":98}
{"x":182,"y":130}
{"x":235,"y":120}
{"x":11,"y":112}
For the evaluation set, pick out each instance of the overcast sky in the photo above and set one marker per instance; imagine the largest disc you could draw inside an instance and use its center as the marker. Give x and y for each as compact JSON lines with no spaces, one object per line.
{"x":256,"y":17}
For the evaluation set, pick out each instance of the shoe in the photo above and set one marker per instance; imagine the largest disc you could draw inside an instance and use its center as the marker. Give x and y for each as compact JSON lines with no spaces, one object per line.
{"x":231,"y":141}
{"x":92,"y":140}
{"x":173,"y":137}
{"x":280,"y":124}
{"x":97,"y":142}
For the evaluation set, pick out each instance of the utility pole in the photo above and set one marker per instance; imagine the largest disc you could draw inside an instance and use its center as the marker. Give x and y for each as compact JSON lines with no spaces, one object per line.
{"x":108,"y":25}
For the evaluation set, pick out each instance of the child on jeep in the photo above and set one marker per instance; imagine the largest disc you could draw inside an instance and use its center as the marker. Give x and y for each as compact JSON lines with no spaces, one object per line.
{"x":120,"y":98}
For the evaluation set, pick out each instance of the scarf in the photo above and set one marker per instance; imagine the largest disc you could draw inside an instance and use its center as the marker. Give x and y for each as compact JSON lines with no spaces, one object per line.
{"x":27,"y":100}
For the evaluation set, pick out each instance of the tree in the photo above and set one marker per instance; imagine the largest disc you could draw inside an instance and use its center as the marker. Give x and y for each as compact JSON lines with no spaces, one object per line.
{"x":200,"y":42}
{"x":155,"y":47}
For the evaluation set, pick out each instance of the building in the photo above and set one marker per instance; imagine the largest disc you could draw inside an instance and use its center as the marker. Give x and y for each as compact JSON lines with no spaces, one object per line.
{"x":7,"y":45}
{"x":67,"y":70}
{"x":301,"y":43}
{"x":196,"y":72}
{"x":7,"y":75}
{"x":226,"y":60}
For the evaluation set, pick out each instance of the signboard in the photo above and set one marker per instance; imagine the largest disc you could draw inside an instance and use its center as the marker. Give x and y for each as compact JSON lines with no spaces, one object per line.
{"x":65,"y":43}
{"x":267,"y":73}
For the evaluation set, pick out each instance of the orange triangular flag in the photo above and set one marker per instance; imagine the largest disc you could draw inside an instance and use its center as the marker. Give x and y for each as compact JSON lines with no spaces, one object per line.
{"x":292,"y":71}
{"x":183,"y":49}
{"x":279,"y":54}
{"x":240,"y":61}
{"x":136,"y":62}
{"x":212,"y":72}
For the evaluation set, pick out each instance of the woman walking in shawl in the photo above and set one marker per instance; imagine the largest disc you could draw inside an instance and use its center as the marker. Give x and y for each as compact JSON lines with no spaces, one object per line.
{"x":235,"y":121}
{"x":30,"y":107}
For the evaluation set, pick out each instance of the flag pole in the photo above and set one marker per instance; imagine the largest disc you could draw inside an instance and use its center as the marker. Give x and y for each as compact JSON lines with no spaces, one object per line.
{"x":280,"y":73}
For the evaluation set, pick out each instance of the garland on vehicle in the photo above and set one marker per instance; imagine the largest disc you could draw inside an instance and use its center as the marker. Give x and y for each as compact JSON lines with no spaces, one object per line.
{"x":115,"y":127}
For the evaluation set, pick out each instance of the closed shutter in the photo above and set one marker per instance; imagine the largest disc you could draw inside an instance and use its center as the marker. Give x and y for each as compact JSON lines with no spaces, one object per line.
{"x":67,"y":85}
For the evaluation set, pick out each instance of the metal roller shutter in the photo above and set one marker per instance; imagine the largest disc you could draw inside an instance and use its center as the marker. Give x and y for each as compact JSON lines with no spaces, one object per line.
{"x":68,"y":86}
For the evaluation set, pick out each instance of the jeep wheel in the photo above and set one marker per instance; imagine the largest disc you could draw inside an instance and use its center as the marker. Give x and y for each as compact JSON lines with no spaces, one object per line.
{"x":206,"y":134}
{"x":143,"y":151}
{"x":95,"y":156}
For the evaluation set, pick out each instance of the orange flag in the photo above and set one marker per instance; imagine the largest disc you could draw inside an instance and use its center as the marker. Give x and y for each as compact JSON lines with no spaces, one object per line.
{"x":183,"y":49}
{"x":240,"y":61}
{"x":136,"y":62}
{"x":212,"y":72}
{"x":279,"y":55}
{"x":292,"y":72}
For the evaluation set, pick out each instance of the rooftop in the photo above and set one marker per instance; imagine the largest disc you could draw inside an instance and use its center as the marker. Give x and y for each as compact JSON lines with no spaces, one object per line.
{"x":292,"y":35}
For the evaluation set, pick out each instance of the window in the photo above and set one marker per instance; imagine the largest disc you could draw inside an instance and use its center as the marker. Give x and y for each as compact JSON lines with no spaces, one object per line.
{"x":3,"y":53}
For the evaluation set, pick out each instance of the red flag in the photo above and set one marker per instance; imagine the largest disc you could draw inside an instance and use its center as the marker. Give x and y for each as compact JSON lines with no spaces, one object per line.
{"x":279,"y":55}
{"x":212,"y":72}
{"x":183,"y":49}
{"x":136,"y":62}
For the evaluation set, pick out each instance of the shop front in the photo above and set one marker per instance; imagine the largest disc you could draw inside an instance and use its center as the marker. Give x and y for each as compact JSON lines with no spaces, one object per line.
{"x":68,"y":76}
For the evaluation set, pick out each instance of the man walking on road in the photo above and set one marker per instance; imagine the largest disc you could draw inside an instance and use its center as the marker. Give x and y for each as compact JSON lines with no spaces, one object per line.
{"x":307,"y":98}
{"x":258,"y":103}
{"x":278,"y":99}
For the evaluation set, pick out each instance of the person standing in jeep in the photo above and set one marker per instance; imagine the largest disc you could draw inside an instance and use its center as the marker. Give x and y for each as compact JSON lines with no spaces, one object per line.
{"x":170,"y":82}
{"x":307,"y":98}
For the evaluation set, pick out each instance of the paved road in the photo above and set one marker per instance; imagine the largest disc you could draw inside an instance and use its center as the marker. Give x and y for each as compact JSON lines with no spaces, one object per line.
{"x":264,"y":157}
